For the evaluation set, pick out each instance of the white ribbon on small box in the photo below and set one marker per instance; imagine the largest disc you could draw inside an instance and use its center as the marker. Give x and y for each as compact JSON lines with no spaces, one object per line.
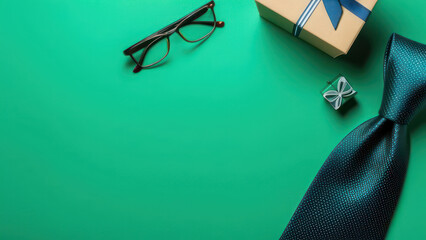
{"x":344,"y":90}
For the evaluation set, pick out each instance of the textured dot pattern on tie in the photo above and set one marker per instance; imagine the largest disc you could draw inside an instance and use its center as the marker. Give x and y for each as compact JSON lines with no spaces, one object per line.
{"x":357,"y":189}
{"x":405,"y":80}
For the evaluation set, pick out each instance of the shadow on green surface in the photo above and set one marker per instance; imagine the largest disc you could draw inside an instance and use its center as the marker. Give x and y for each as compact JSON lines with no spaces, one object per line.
{"x":373,"y":35}
{"x":360,"y":51}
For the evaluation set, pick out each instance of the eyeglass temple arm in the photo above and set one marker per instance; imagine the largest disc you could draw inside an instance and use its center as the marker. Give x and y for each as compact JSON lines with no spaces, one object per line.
{"x":151,"y":37}
{"x":208,"y":23}
{"x":148,"y":40}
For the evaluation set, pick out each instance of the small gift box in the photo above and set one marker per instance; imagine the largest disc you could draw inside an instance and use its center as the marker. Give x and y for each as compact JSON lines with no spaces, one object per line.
{"x":329,"y":25}
{"x":338,"y":92}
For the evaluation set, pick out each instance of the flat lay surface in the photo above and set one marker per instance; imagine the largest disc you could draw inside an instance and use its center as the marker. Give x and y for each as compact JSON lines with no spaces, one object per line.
{"x":219,"y":142}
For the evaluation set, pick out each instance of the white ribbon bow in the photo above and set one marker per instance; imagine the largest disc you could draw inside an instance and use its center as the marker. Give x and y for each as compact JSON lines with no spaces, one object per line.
{"x":343,"y":90}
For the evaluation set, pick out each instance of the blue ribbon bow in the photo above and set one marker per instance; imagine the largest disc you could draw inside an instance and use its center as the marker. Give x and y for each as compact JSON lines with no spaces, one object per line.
{"x":334,"y":11}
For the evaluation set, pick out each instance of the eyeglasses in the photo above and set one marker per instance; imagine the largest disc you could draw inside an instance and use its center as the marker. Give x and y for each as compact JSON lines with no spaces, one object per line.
{"x":194,"y":27}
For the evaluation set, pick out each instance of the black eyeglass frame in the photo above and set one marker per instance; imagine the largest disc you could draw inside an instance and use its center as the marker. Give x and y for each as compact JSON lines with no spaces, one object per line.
{"x":167,"y":31}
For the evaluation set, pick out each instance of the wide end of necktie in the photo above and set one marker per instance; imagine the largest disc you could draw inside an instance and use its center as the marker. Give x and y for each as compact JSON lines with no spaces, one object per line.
{"x":405,"y":79}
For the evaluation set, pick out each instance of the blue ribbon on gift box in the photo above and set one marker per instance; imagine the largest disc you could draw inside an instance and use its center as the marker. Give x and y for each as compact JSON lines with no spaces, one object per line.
{"x":334,"y":11}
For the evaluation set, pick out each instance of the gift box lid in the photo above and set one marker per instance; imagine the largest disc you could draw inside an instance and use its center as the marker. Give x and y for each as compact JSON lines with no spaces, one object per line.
{"x":318,"y":30}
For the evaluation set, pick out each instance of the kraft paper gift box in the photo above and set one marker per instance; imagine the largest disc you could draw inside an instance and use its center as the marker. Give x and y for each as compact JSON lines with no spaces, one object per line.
{"x":318,"y":29}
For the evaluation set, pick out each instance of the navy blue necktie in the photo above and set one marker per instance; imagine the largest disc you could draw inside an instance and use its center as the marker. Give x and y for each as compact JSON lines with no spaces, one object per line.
{"x":356,"y":190}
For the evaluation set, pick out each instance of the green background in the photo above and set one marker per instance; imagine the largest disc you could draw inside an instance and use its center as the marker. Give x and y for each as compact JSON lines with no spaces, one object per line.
{"x":221,"y":142}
